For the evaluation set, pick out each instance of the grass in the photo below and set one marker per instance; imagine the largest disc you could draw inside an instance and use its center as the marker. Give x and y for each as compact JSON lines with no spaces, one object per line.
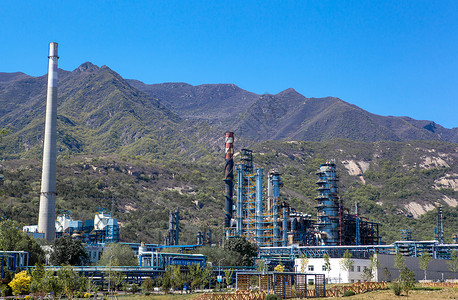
{"x":444,"y":293}
{"x":160,"y":297}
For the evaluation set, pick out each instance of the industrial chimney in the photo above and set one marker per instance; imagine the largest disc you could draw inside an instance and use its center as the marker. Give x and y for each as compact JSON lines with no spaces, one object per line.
{"x":47,"y":214}
{"x":228,"y":177}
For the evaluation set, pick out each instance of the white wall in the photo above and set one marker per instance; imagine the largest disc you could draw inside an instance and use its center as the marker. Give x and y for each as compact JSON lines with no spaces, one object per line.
{"x":337,"y":274}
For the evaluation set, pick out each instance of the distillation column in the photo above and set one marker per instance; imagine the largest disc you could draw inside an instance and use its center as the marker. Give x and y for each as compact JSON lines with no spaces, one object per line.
{"x":228,"y":178}
{"x":47,"y":212}
{"x":258,"y":208}
{"x":273,"y":195}
{"x":328,"y":204}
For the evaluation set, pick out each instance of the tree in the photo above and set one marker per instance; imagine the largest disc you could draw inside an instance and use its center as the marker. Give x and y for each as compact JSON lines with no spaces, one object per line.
{"x":304,"y":261}
{"x":247,"y":250}
{"x":118,"y":255}
{"x":69,"y":280}
{"x":369,"y":272}
{"x":228,"y":274}
{"x":423,"y":261}
{"x":327,"y":263}
{"x":3,"y":132}
{"x":279,"y":268}
{"x":167,"y":279}
{"x":20,"y":283}
{"x":13,"y":239}
{"x":195,"y":271}
{"x":399,"y":261}
{"x":147,"y":285}
{"x":219,"y":254}
{"x":407,"y":280}
{"x":208,"y":276}
{"x":347,"y":263}
{"x":37,"y":283}
{"x":67,"y":251}
{"x":453,"y":262}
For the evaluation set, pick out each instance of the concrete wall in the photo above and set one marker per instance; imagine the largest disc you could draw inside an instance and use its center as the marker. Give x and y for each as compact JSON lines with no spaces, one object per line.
{"x":438,"y":269}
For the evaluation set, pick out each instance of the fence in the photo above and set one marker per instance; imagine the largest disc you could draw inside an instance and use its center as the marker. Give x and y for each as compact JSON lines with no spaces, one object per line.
{"x":357,"y":287}
{"x":440,"y":284}
{"x":286,"y":285}
{"x":238,"y":295}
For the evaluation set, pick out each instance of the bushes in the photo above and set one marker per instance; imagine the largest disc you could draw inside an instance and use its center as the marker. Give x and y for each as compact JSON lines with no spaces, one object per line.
{"x":397,"y":288}
{"x":349,"y":293}
{"x":272,"y":297}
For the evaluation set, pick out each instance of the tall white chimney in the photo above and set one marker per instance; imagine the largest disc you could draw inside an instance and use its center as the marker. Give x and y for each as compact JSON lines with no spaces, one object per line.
{"x":47,"y":214}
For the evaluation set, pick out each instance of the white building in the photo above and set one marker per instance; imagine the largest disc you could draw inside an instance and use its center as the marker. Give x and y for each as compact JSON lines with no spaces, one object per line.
{"x":336,"y":274}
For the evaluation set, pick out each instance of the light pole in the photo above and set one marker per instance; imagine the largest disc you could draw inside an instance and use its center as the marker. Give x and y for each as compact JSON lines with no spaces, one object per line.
{"x":219,"y":273}
{"x":109,"y":276}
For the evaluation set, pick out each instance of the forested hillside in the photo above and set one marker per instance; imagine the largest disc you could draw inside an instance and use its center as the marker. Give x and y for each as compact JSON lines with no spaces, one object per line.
{"x":142,"y":150}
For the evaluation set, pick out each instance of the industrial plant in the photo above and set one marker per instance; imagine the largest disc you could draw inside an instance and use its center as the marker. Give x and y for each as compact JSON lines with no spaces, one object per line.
{"x":253,"y":209}
{"x":269,"y":222}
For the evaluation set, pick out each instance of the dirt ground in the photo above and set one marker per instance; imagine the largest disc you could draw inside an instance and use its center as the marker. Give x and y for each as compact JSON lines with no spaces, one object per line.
{"x":445,"y":293}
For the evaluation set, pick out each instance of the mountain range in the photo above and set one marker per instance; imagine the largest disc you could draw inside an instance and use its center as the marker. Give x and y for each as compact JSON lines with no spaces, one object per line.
{"x":154,"y":147}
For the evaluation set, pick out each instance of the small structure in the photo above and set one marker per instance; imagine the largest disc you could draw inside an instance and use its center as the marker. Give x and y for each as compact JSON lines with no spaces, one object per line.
{"x":283,"y":284}
{"x":336,"y":272}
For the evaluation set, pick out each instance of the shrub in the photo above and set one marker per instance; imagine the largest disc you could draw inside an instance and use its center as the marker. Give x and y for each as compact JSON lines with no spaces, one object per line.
{"x":397,"y":288}
{"x":271,"y":297}
{"x":349,"y":293}
{"x":20,"y":283}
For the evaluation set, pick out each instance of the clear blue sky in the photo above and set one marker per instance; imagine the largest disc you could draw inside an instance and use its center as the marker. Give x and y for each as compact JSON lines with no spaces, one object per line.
{"x":388,"y":57}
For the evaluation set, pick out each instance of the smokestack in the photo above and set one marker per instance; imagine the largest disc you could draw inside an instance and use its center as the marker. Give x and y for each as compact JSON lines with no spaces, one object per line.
{"x":229,"y":178}
{"x":47,"y":214}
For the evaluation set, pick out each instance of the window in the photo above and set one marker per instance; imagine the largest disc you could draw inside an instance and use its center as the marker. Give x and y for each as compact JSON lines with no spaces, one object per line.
{"x":352,"y":269}
{"x":358,"y":268}
{"x":311,"y":268}
{"x":323,"y":268}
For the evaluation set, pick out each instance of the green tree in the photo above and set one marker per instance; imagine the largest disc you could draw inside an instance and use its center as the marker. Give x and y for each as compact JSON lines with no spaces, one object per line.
{"x":347,"y":263}
{"x":37,"y":283}
{"x":195,"y":271}
{"x":407,"y":280}
{"x":208,"y":276}
{"x":399,"y":261}
{"x":219,"y":254}
{"x":327,"y":263}
{"x":369,"y":272}
{"x":13,"y":239}
{"x":69,"y":280}
{"x":147,"y":285}
{"x":304,"y":261}
{"x":453,"y":262}
{"x":118,"y":255}
{"x":247,"y":250}
{"x":167,"y":279}
{"x":423,"y":261}
{"x":228,"y":274}
{"x":3,"y":132}
{"x":67,"y":251}
{"x":177,"y":278}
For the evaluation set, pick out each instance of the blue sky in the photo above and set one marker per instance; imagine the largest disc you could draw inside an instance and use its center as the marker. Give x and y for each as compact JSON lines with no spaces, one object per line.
{"x":388,"y":57}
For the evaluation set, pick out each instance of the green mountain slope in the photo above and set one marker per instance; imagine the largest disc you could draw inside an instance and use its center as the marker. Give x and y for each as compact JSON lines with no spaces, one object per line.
{"x":141,"y":156}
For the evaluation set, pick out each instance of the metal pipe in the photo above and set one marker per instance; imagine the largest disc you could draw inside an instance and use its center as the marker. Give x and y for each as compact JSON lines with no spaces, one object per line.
{"x":239,"y":220}
{"x":258,"y":207}
{"x":47,"y":212}
{"x":229,"y":178}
